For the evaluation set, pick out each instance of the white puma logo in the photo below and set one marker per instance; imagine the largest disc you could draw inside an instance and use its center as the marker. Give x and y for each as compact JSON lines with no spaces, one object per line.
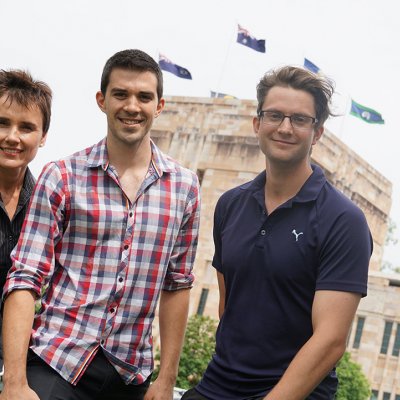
{"x":296,"y":234}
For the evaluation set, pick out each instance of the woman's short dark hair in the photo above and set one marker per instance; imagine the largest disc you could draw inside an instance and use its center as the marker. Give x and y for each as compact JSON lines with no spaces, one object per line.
{"x":19,"y":86}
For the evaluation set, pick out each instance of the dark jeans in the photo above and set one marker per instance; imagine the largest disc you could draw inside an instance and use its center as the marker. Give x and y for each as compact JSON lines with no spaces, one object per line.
{"x":192,"y":394}
{"x":99,"y":382}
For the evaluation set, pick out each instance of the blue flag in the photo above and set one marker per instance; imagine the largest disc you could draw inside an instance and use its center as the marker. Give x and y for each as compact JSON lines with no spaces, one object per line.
{"x":222,"y":95}
{"x":244,"y":37}
{"x":311,"y":66}
{"x":366,"y":114}
{"x":167,"y":65}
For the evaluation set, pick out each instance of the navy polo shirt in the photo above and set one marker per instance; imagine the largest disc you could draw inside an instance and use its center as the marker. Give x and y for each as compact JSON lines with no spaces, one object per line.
{"x":272,"y":266}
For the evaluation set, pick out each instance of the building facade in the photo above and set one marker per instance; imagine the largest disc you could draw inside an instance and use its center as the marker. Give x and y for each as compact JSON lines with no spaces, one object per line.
{"x":215,"y":138}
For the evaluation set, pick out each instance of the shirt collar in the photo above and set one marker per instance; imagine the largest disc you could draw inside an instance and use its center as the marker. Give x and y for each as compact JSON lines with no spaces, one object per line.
{"x":161,"y":162}
{"x":98,"y":156}
{"x":312,"y":186}
{"x":29,"y":182}
{"x":308,"y":192}
{"x":27,"y":189}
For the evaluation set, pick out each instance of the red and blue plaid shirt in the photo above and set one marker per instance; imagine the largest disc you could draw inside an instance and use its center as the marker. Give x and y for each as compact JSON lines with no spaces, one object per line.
{"x":105,"y":259}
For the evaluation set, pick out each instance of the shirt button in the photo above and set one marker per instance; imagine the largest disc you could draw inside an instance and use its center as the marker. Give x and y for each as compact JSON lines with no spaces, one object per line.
{"x":10,"y":238}
{"x":120,"y":279}
{"x":263,"y":232}
{"x":112,"y":310}
{"x":102,"y":341}
{"x":126,"y":247}
{"x":130,"y":214}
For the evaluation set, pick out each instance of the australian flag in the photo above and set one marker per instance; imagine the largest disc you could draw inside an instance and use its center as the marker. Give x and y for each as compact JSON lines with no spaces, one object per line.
{"x":246,"y":39}
{"x":167,"y":65}
{"x":311,"y":66}
{"x":366,"y":114}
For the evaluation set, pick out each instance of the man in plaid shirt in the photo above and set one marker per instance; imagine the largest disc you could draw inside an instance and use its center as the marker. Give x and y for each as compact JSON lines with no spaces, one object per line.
{"x":110,"y":229}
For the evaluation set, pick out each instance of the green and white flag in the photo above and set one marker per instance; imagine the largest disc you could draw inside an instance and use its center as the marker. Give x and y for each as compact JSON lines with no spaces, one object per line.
{"x":366,"y":114}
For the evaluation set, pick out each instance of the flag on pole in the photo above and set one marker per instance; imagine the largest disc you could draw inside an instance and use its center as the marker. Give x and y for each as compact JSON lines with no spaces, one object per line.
{"x":167,"y":65}
{"x":366,"y":114}
{"x":311,"y":66}
{"x":222,"y":95}
{"x":244,"y":37}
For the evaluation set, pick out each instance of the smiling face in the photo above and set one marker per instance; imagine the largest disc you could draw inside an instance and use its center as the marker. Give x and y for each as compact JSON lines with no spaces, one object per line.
{"x":282,"y":144}
{"x":131,"y":104}
{"x":21,"y":134}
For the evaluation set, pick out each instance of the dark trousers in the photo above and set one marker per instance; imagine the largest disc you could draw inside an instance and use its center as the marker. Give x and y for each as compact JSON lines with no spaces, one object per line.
{"x":193,"y":394}
{"x":99,"y":382}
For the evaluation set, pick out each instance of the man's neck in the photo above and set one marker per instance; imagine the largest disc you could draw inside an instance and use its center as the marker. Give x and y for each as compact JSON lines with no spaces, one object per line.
{"x":284,"y":183}
{"x":124,"y":157}
{"x":132,"y":164}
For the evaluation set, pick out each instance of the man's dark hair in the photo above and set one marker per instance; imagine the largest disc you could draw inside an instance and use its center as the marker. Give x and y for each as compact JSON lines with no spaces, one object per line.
{"x":135,"y":60}
{"x":19,"y":86}
{"x":301,"y":79}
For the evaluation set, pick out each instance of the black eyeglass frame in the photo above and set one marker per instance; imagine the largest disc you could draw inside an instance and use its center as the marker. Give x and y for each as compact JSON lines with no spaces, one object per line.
{"x":262,"y":112}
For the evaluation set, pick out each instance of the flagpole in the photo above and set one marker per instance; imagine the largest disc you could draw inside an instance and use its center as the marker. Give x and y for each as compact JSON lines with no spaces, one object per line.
{"x":346,"y":111}
{"x":225,"y":61}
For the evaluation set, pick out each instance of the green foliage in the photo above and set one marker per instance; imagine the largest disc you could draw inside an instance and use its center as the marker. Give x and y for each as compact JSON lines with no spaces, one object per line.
{"x":391,"y":233}
{"x":353,"y":385}
{"x":391,"y":240}
{"x":197,"y":351}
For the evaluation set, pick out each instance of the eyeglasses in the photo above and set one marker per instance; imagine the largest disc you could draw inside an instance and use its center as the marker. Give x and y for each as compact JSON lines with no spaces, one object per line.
{"x":298,"y":121}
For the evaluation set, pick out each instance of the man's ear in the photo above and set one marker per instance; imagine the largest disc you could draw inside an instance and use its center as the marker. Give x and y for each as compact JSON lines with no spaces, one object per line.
{"x":100,"y":100}
{"x":160,"y":107}
{"x":317,"y":134}
{"x":256,"y":125}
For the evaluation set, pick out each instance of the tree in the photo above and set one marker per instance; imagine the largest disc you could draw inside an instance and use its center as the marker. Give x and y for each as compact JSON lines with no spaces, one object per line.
{"x":390,"y":240}
{"x":197,"y":351}
{"x":353,"y":385}
{"x":391,"y":233}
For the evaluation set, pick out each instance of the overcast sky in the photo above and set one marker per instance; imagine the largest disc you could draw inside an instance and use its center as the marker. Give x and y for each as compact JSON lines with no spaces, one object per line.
{"x":354,"y":42}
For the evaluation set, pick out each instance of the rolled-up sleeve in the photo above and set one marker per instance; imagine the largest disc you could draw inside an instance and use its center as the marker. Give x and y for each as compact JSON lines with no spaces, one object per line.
{"x":33,"y":257}
{"x":180,"y":268}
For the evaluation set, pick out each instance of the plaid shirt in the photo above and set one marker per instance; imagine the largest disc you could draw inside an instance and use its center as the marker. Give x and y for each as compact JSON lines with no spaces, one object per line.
{"x":105,"y":259}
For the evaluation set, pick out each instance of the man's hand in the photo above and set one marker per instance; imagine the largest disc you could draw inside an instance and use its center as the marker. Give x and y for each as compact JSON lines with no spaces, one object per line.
{"x":18,"y":393}
{"x":159,"y":390}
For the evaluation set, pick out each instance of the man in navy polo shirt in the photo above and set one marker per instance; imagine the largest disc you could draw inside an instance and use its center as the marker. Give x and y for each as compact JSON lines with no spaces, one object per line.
{"x":292,"y":256}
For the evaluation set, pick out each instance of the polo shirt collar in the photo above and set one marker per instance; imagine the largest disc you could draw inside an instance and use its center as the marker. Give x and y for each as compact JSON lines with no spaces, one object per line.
{"x":98,"y":156}
{"x":308,"y":192}
{"x":312,"y":187}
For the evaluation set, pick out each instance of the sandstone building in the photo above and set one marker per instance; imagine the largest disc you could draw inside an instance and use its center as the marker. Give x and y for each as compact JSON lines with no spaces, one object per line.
{"x":214,"y":137}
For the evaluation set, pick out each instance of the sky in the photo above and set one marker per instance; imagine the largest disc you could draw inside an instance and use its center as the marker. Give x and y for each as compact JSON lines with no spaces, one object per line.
{"x":353,"y":42}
